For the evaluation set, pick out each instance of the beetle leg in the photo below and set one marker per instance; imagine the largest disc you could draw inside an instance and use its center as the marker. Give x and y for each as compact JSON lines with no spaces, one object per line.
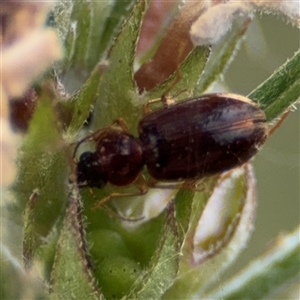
{"x":165,"y":100}
{"x":92,"y":137}
{"x":84,"y":140}
{"x":155,"y":184}
{"x":189,"y":185}
{"x":146,"y":108}
{"x":140,"y":183}
{"x":279,"y":122}
{"x":108,"y":210}
{"x":120,"y":123}
{"x":193,"y":185}
{"x":100,"y":203}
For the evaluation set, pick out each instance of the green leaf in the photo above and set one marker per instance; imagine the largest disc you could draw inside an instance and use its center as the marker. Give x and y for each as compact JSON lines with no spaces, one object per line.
{"x":276,"y":267}
{"x":164,"y":265}
{"x":143,"y":241}
{"x":119,"y":11}
{"x":71,"y":276}
{"x":42,"y":166}
{"x":83,"y":100}
{"x":81,"y":25}
{"x":186,"y":76}
{"x":280,"y":90}
{"x":87,"y":29}
{"x":116,"y":276}
{"x":289,"y":97}
{"x":221,"y":57}
{"x":119,"y":253}
{"x":82,"y":11}
{"x":117,"y":86}
{"x":107,"y":243}
{"x":206,"y":252}
{"x":30,"y":238}
{"x":190,"y":205}
{"x":183,"y":204}
{"x":45,"y":253}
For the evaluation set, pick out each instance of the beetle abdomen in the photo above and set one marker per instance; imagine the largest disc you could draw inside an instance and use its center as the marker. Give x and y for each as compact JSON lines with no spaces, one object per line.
{"x":201,"y":136}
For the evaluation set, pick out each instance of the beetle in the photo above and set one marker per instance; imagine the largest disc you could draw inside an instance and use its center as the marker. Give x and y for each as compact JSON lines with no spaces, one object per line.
{"x":188,"y":140}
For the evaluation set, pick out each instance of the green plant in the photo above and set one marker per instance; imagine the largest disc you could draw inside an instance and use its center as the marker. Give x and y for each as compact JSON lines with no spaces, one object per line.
{"x":84,"y":254}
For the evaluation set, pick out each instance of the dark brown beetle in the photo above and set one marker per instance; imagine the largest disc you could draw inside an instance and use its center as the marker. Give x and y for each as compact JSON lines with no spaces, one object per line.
{"x":191,"y":139}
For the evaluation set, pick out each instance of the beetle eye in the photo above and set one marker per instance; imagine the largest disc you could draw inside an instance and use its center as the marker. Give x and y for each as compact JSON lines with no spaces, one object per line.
{"x":85,"y":156}
{"x":89,"y":172}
